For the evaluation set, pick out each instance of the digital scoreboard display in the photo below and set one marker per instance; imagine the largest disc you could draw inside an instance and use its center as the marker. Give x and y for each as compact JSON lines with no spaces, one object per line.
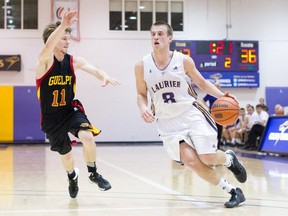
{"x":220,"y":56}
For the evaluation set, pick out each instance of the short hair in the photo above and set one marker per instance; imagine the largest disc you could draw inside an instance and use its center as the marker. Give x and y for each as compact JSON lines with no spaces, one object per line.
{"x":250,"y":106}
{"x":169,"y":28}
{"x":50,"y":28}
{"x":258,"y":106}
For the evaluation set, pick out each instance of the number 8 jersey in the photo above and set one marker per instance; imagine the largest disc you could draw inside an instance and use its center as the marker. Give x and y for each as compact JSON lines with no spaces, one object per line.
{"x":170,"y":89}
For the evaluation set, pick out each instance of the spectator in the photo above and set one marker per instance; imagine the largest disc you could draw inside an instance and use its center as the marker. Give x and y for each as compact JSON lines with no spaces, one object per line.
{"x":257,"y":128}
{"x":263,"y":105}
{"x":261,"y":101}
{"x":240,"y":128}
{"x":278,"y":109}
{"x":228,"y":134}
{"x":233,"y":134}
{"x":249,"y":120}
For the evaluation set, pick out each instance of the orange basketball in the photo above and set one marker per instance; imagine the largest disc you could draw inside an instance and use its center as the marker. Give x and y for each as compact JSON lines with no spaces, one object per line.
{"x":225,"y":111}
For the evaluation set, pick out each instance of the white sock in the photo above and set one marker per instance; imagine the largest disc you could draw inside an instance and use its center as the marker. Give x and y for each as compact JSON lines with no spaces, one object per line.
{"x":228,"y":160}
{"x":224,"y":185}
{"x":238,"y":140}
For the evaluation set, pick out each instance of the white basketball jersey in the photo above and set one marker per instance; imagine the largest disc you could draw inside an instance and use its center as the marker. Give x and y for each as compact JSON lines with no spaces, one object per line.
{"x":170,"y":89}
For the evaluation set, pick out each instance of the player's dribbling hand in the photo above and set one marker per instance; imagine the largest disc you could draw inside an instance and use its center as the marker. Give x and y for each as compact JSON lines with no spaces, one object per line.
{"x":227,"y":94}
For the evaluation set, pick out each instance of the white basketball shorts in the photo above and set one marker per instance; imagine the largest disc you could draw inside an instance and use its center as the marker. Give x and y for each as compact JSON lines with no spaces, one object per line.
{"x":195,"y":126}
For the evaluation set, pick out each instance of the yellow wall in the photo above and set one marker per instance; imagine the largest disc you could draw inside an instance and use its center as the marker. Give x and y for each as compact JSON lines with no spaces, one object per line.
{"x":6,"y":113}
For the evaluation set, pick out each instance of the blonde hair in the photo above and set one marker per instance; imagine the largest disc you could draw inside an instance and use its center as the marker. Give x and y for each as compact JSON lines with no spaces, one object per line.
{"x":50,"y":28}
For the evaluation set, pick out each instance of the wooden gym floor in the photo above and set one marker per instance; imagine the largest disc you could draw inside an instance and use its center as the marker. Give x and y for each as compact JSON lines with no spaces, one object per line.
{"x":144,"y":182}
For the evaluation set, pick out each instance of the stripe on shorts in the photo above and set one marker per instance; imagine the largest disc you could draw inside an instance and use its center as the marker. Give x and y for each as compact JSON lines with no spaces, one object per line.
{"x":206,"y":114}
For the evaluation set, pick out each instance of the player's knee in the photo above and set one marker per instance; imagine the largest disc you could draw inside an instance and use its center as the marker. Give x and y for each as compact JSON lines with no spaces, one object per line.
{"x":192,"y":163}
{"x":67,"y":156}
{"x":208,"y":159}
{"x":86,"y":137}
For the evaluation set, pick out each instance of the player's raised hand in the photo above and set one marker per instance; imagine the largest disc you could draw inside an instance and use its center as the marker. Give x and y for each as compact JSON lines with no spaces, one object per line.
{"x":69,"y":18}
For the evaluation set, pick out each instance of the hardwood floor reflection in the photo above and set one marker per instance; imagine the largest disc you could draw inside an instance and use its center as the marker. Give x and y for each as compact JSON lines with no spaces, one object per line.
{"x":144,"y":182}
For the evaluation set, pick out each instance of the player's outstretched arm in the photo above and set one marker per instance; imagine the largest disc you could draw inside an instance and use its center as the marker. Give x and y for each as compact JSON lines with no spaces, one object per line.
{"x":84,"y":65}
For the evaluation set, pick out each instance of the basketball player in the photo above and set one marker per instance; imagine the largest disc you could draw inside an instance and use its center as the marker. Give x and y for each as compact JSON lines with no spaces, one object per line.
{"x":187,"y":130}
{"x":60,"y":112}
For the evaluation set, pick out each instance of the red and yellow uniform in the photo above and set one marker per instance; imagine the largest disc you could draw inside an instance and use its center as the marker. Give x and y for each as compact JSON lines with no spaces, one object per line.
{"x":60,"y":112}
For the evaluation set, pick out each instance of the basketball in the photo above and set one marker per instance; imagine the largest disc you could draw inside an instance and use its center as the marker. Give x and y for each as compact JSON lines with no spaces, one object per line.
{"x":225,"y":111}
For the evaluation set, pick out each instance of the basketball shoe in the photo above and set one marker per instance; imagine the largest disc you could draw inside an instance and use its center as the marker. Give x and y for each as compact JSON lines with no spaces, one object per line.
{"x":237,"y":168}
{"x":73,"y":184}
{"x":237,"y":197}
{"x":102,"y":183}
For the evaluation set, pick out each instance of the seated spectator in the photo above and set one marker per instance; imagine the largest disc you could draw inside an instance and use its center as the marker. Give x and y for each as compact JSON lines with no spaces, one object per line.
{"x":240,"y":128}
{"x":228,"y":134}
{"x":257,"y":129}
{"x":278,"y":110}
{"x":249,"y":120}
{"x":233,"y":134}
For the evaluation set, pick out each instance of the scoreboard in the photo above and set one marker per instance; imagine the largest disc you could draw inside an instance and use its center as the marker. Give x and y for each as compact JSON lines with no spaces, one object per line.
{"x":221,"y":55}
{"x":237,"y":61}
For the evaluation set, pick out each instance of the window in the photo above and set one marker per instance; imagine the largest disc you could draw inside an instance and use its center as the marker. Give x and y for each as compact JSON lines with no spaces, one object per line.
{"x":146,"y":15}
{"x":115,"y":8}
{"x":19,"y":14}
{"x":177,"y":16}
{"x":131,"y":15}
{"x":161,"y":11}
{"x":138,"y":15}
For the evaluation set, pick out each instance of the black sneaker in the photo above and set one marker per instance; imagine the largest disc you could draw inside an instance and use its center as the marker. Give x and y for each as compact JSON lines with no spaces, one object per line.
{"x":237,"y":197}
{"x":73,"y":185}
{"x":102,"y":183}
{"x":237,"y":168}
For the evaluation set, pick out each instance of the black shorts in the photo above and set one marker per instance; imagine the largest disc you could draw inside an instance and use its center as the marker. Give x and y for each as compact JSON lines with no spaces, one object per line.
{"x":57,"y":130}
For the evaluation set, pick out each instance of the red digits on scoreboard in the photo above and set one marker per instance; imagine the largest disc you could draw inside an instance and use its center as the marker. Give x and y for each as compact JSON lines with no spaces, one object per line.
{"x":216,"y":47}
{"x":221,"y":47}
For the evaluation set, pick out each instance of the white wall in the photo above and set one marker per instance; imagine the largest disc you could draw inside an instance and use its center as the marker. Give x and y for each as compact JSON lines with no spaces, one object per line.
{"x":114,"y":109}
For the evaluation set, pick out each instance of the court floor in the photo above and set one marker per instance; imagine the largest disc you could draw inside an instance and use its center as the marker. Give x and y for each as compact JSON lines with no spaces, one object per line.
{"x":144,"y":182}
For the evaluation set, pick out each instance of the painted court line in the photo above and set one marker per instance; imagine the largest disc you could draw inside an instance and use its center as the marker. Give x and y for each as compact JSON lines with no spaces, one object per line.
{"x":159,"y":186}
{"x":93,"y":209}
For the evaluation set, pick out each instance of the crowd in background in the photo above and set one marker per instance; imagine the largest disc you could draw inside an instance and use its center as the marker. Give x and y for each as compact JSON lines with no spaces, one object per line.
{"x":246,"y":132}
